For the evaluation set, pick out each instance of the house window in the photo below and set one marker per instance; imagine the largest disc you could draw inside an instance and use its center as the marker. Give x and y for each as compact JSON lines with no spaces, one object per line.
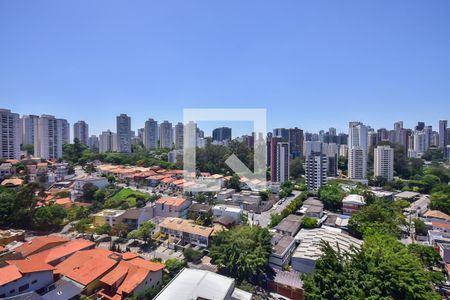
{"x":12,"y":291}
{"x":24,"y":287}
{"x":34,"y":281}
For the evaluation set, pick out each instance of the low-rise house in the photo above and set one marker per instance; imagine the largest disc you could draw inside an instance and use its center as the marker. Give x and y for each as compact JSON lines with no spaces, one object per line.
{"x":287,"y":284}
{"x":100,"y":182}
{"x":86,"y":268}
{"x":337,"y":221}
{"x":23,"y":276}
{"x":282,"y":248}
{"x":172,"y":207}
{"x":312,"y":207}
{"x":6,"y":169}
{"x":200,"y":284}
{"x":352,"y":203}
{"x":11,"y":235}
{"x":63,"y":289}
{"x":436,"y":215}
{"x":39,"y":244}
{"x":407,"y":195}
{"x":108,"y":216}
{"x":186,"y":232}
{"x":199,"y":210}
{"x":309,"y":248}
{"x":226,"y":194}
{"x":130,"y":277}
{"x":439,"y":226}
{"x":233,"y":212}
{"x":289,"y":225}
{"x":12,"y":183}
{"x":56,"y":255}
{"x":435,"y":237}
{"x":383,"y":194}
{"x":247,"y":199}
{"x":135,"y":217}
{"x":444,"y":252}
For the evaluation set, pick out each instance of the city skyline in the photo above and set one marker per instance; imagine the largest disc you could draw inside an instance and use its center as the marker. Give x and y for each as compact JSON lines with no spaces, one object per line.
{"x":153,"y":60}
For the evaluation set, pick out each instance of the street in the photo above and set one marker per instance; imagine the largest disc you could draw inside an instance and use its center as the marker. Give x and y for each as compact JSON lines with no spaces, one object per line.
{"x":263,"y":219}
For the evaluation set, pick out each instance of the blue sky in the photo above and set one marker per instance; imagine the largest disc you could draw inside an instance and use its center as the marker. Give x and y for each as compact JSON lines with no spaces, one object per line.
{"x":313,"y":64}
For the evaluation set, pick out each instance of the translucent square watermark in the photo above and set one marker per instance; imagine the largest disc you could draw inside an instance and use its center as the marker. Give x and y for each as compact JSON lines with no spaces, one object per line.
{"x":255,"y":180}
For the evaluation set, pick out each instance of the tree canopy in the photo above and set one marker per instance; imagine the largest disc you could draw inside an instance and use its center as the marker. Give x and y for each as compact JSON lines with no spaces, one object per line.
{"x":242,"y":251}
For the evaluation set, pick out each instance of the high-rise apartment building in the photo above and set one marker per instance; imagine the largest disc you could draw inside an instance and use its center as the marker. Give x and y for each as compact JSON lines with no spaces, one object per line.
{"x":296,"y":142}
{"x":49,"y":136}
{"x":357,"y":150}
{"x":81,"y":132}
{"x":443,"y":133}
{"x":179,"y":134}
{"x":282,"y":133}
{"x":331,"y":151}
{"x":221,"y":134}
{"x":315,"y":166}
{"x":283,"y":162}
{"x":123,"y":124}
{"x":93,"y":142}
{"x":357,"y":163}
{"x":166,"y":135}
{"x":384,"y":162}
{"x":27,"y":128}
{"x":107,"y":142}
{"x":150,"y":137}
{"x":10,"y":135}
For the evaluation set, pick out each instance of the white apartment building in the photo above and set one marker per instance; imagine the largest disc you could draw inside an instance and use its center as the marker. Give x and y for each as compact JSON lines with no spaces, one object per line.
{"x":357,"y":150}
{"x":357,"y":163}
{"x":10,"y":136}
{"x":107,"y":142}
{"x":384,"y":162}
{"x":93,"y":142}
{"x":150,"y":137}
{"x":315,"y":166}
{"x":123,"y":125}
{"x":81,"y":132}
{"x":49,"y":136}
{"x":166,"y":135}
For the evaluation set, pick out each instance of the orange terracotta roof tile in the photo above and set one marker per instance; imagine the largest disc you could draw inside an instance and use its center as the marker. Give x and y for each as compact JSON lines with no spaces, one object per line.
{"x":38,"y":243}
{"x":436,"y":214}
{"x":129,"y":255}
{"x":130,"y":274}
{"x":171,"y":201}
{"x":64,"y":250}
{"x":9,"y":274}
{"x":168,"y":180}
{"x":30,"y":266}
{"x":179,"y":182}
{"x":66,"y":202}
{"x":440,"y":225}
{"x":87,"y":266}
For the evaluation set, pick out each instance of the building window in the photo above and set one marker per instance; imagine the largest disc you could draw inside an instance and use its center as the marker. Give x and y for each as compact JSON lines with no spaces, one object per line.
{"x":12,"y":291}
{"x":24,"y":287}
{"x":34,"y":281}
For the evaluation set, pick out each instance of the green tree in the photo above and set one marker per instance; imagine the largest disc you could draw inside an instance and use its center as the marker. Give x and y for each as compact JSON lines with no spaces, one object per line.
{"x":331,"y":196}
{"x":89,"y":190}
{"x":235,"y":182}
{"x":73,"y":152}
{"x":192,"y":255}
{"x":49,"y":216}
{"x":83,"y":225}
{"x":420,"y":227}
{"x":29,"y":148}
{"x":243,"y":251}
{"x":383,"y":269}
{"x":440,"y":201}
{"x":173,"y":266}
{"x":296,"y":168}
{"x":7,"y":203}
{"x":380,"y":216}
{"x":309,"y":222}
{"x":143,"y":233}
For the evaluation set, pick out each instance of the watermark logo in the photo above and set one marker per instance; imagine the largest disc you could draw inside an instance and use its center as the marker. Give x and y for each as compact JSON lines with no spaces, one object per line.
{"x":256,"y":179}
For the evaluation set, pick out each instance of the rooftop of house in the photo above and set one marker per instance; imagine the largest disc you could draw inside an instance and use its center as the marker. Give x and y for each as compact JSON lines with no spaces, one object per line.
{"x":111,"y":213}
{"x":311,"y":201}
{"x":61,"y":251}
{"x":12,"y":182}
{"x":38,"y":243}
{"x":407,"y":195}
{"x":291,"y":278}
{"x":63,"y":289}
{"x":86,"y":266}
{"x":281,"y":243}
{"x":289,"y":224}
{"x":229,"y":208}
{"x":16,"y":268}
{"x":200,"y":207}
{"x":437,"y":214}
{"x":172,"y":201}
{"x":197,"y":284}
{"x":129,"y":274}
{"x":310,"y":242}
{"x":9,"y":274}
{"x":187,"y":226}
{"x":354,"y":199}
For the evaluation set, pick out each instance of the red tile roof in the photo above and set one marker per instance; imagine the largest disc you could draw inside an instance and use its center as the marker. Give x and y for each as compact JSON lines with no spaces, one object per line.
{"x":66,"y":202}
{"x":38,"y":243}
{"x":9,"y":274}
{"x":130,"y":274}
{"x":64,"y":250}
{"x":30,"y":266}
{"x":440,"y":225}
{"x":171,"y":201}
{"x":86,"y":266}
{"x":129,"y":255}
